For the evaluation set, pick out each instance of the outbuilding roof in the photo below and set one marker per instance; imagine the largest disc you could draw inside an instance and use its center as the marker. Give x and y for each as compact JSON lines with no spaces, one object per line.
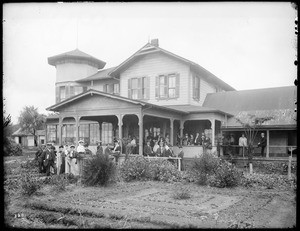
{"x":278,"y":103}
{"x":76,"y":54}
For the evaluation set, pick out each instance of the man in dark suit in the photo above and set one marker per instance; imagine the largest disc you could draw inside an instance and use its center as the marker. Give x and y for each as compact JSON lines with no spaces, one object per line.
{"x":262,"y":144}
{"x":161,"y":150}
{"x":49,"y":159}
{"x":116,"y":152}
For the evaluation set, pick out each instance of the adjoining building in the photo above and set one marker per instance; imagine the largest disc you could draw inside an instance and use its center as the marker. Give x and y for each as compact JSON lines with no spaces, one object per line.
{"x":27,"y":139}
{"x":153,"y":91}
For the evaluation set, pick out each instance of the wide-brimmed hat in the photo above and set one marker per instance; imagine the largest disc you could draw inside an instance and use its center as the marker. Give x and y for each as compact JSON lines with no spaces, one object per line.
{"x":80,"y":141}
{"x":72,"y":146}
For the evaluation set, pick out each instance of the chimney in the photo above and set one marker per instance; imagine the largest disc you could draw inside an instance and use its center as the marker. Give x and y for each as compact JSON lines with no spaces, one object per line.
{"x":154,"y":42}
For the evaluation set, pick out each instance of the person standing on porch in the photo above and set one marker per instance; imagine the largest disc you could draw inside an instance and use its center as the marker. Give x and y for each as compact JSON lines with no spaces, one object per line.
{"x":161,"y":150}
{"x":197,"y":140}
{"x":148,"y":150}
{"x":242,"y":144}
{"x":117,"y":151}
{"x":206,"y":145}
{"x":155,"y":147}
{"x":262,"y":144}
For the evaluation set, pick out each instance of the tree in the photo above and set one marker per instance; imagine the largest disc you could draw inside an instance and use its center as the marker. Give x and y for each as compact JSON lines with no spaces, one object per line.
{"x":30,"y":121}
{"x":6,"y":124}
{"x":251,"y":125}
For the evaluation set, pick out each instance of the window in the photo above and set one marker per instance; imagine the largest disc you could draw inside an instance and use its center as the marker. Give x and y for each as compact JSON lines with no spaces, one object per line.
{"x":107,"y":133}
{"x":68,"y":134}
{"x":78,"y":90}
{"x":94,"y":133}
{"x":196,"y":88}
{"x":138,"y":88}
{"x":62,"y":93}
{"x":112,"y":88}
{"x":52,"y":133}
{"x":167,"y":86}
{"x":84,"y":132}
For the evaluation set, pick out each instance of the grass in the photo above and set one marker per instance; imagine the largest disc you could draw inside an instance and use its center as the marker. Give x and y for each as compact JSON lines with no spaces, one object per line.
{"x":182,"y":194}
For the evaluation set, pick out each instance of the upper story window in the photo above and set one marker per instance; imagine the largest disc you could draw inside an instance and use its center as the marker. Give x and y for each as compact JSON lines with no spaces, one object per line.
{"x":167,"y":86}
{"x":62,"y":93}
{"x":112,"y":88}
{"x":196,"y":87}
{"x":138,"y":88}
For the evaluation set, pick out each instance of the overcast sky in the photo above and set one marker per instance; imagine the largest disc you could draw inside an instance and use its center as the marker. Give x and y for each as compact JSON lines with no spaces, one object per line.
{"x":247,"y":45}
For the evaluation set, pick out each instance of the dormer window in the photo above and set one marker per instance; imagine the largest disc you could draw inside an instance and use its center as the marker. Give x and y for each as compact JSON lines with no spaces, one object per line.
{"x":112,"y":88}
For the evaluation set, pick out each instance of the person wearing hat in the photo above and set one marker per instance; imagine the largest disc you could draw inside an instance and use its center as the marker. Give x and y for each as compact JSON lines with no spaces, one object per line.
{"x":80,"y":148}
{"x":49,"y":158}
{"x":99,"y":148}
{"x":60,"y":164}
{"x":148,"y":150}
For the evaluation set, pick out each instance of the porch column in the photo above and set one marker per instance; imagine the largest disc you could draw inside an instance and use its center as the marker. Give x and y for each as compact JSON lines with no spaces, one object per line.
{"x":164,"y":128}
{"x":268,"y":143}
{"x":77,"y":130}
{"x":59,"y":133}
{"x":140,"y":135}
{"x":100,"y":130}
{"x":120,"y":124}
{"x":172,"y":131}
{"x":212,"y":121}
{"x":181,"y":130}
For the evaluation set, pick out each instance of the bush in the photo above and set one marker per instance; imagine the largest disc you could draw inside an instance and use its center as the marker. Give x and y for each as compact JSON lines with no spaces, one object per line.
{"x":204,"y":166}
{"x":59,"y":182}
{"x":29,"y":185}
{"x":12,"y":148}
{"x":98,"y":170}
{"x":134,"y":168}
{"x":226,"y":175}
{"x":140,"y":168}
{"x":162,"y":170}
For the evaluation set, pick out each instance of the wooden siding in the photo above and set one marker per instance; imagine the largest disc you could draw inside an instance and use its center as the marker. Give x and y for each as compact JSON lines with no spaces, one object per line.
{"x":153,"y":65}
{"x":205,"y":88}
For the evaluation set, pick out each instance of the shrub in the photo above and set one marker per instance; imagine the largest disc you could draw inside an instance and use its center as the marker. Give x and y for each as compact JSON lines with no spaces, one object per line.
{"x":29,"y":185}
{"x":182,"y":194}
{"x":134,"y":168}
{"x":59,"y":182}
{"x":12,"y":148}
{"x":30,"y":165}
{"x":226,"y":175}
{"x":162,"y":170}
{"x":204,"y":166}
{"x":98,"y":170}
{"x":140,"y":168}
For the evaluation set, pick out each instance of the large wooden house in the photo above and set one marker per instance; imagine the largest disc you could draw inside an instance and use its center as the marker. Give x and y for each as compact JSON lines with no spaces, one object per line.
{"x":153,"y":91}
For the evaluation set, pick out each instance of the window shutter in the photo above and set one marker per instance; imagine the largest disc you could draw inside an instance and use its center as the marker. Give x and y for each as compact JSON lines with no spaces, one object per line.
{"x":194,"y":87}
{"x":177,"y":86}
{"x":166,"y":86}
{"x":140,"y":88}
{"x":72,"y":92}
{"x":67,"y":91}
{"x":157,"y":87}
{"x":129,"y":88}
{"x":147,"y":87}
{"x":57,"y":94}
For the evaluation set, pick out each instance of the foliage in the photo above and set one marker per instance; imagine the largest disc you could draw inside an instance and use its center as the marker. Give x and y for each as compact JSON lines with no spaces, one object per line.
{"x":30,"y":165}
{"x":98,"y":170}
{"x":134,"y":168}
{"x":162,"y":170}
{"x":275,"y":167}
{"x":11,"y":148}
{"x":29,"y":184}
{"x":59,"y":182}
{"x":30,"y":120}
{"x":182,"y":194}
{"x":204,"y":166}
{"x":140,"y":168}
{"x":270,"y":181}
{"x":226,"y":175}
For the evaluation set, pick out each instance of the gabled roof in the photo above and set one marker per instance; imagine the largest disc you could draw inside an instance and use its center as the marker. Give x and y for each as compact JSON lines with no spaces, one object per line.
{"x":76,"y":54}
{"x":257,"y":99}
{"x":196,"y":109}
{"x":101,"y":74}
{"x":278,"y":103}
{"x":19,"y":132}
{"x":149,"y":48}
{"x":92,"y":91}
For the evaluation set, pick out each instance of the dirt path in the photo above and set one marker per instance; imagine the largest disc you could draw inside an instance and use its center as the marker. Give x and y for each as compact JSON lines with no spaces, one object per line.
{"x":151,"y":205}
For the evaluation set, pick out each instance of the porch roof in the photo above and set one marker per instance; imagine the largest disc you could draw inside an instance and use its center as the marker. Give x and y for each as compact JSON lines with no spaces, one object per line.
{"x":92,"y":91}
{"x":196,"y":109}
{"x":19,"y":132}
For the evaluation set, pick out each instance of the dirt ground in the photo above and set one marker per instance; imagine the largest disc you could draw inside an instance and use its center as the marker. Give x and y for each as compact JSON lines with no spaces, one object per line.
{"x":151,"y":204}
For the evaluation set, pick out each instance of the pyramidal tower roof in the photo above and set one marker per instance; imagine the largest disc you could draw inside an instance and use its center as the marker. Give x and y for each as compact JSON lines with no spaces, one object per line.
{"x":75,"y":55}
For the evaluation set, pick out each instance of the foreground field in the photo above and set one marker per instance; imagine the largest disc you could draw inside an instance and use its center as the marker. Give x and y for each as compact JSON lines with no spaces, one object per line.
{"x":152,"y":204}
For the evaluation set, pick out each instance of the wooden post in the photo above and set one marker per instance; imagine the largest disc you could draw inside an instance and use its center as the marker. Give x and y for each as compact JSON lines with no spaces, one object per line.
{"x":251,"y":168}
{"x":141,"y":135}
{"x":268,"y":143}
{"x":171,"y":132}
{"x":290,"y":168}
